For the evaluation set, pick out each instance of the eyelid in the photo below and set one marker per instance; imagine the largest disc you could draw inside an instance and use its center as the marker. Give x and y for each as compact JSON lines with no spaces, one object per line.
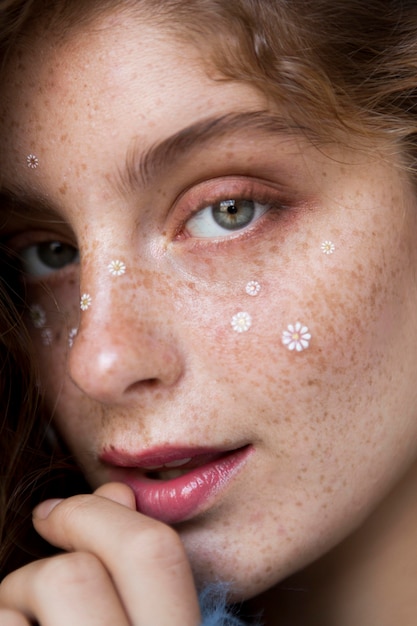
{"x":210,"y":192}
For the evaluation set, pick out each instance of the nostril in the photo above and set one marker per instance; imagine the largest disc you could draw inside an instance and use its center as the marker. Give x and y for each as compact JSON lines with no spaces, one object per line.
{"x":150,"y":383}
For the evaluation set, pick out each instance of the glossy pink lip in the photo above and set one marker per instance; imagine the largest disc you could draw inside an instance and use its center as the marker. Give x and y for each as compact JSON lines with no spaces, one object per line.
{"x":178,"y":499}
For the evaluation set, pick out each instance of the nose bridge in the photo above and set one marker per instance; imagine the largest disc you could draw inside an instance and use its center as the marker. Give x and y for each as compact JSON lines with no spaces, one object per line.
{"x":126,"y":339}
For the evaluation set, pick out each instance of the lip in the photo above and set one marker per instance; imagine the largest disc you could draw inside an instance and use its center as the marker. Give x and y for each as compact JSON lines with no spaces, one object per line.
{"x":208,"y":472}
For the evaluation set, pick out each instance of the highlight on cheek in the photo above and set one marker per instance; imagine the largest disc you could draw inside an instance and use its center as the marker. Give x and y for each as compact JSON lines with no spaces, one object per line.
{"x":253,"y":288}
{"x":116,"y":268}
{"x":85,"y":301}
{"x":32,"y":161}
{"x":327,"y":247}
{"x":241,"y":322}
{"x":296,"y":337}
{"x":37,"y":316}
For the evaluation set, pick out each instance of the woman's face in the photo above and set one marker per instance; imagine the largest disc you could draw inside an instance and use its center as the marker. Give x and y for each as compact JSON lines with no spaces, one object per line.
{"x":178,"y":190}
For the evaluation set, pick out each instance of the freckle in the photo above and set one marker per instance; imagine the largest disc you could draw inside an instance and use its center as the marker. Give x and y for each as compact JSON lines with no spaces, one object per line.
{"x":63,"y":189}
{"x":64,"y":137}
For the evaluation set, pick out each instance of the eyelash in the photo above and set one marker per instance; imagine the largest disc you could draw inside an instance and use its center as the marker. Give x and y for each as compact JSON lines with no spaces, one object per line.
{"x":209,"y":194}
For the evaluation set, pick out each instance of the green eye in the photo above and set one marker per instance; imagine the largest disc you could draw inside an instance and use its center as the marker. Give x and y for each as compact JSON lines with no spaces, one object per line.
{"x":216,"y":220}
{"x":44,"y":258}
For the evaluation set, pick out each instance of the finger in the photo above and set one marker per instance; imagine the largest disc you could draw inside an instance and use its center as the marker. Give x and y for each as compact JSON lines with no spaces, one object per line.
{"x":12,"y":618}
{"x":145,"y":558}
{"x":66,"y":589}
{"x":118,"y":492}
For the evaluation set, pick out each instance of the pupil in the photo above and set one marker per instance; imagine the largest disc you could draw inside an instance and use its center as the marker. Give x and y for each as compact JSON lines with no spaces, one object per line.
{"x":55,"y":254}
{"x":234,"y":214}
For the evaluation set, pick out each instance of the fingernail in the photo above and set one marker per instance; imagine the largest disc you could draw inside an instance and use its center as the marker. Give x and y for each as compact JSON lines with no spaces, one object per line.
{"x":44,"y":508}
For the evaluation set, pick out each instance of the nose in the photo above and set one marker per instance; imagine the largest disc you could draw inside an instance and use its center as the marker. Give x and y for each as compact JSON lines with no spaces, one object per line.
{"x":126,"y":343}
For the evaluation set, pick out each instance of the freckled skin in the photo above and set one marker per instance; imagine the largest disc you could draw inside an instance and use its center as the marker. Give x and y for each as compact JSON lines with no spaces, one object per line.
{"x":155,"y":360}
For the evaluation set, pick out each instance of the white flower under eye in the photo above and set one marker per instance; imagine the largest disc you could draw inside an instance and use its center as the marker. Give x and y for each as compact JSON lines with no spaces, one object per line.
{"x":46,"y":336}
{"x":37,"y":316}
{"x":327,"y":247}
{"x":116,"y":268}
{"x":85,"y":301}
{"x":241,"y":322}
{"x":32,"y":161}
{"x":71,"y":336}
{"x":296,"y":337}
{"x":253,"y":288}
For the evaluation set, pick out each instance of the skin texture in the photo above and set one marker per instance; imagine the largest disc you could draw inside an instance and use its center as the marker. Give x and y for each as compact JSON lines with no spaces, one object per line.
{"x":155,"y":360}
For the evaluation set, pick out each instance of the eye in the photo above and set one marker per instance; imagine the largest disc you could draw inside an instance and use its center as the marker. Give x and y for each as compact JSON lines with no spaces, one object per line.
{"x":221,"y":218}
{"x":47,"y":257}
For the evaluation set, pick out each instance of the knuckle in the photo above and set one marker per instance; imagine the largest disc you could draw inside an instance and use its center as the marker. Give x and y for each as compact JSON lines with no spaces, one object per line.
{"x":157,"y":543}
{"x":70,"y":569}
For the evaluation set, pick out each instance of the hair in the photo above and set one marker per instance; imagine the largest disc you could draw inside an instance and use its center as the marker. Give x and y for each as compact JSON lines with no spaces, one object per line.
{"x":335,"y":67}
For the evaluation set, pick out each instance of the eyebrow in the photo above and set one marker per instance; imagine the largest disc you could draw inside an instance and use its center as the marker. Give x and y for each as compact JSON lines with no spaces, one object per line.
{"x":142,"y":167}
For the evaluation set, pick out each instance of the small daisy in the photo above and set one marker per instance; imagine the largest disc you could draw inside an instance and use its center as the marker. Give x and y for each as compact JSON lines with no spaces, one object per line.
{"x":46,"y":336}
{"x":296,"y":337}
{"x":37,"y":315}
{"x":85,"y":301}
{"x":253,"y":288}
{"x":117,"y":268}
{"x":327,"y":247}
{"x":32,"y":161}
{"x":241,"y":322}
{"x":71,"y":336}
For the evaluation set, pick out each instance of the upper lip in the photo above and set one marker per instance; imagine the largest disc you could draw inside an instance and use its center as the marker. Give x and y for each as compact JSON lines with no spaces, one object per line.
{"x":160,"y":457}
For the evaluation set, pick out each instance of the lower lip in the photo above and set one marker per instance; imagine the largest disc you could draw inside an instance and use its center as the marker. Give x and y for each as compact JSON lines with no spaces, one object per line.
{"x":177,"y":500}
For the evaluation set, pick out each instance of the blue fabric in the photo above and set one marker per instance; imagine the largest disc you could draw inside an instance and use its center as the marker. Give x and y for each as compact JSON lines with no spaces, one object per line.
{"x":214,"y":609}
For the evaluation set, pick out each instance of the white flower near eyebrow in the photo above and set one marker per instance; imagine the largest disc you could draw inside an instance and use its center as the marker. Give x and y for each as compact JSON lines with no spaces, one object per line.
{"x":71,"y":336}
{"x":37,"y":316}
{"x":296,"y":337}
{"x":327,"y":247}
{"x":85,"y":301}
{"x":253,"y":288}
{"x":32,"y":161}
{"x":46,"y":336}
{"x":241,"y":322}
{"x":117,"y":268}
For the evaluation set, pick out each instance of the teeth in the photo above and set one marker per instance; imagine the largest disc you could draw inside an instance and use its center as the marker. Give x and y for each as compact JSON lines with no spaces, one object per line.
{"x":177,"y":463}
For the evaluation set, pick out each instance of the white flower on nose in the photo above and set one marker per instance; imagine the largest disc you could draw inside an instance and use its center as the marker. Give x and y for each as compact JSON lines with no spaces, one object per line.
{"x":85,"y":301}
{"x":71,"y":336}
{"x":296,"y":337}
{"x":116,"y":268}
{"x":47,"y":336}
{"x":241,"y":322}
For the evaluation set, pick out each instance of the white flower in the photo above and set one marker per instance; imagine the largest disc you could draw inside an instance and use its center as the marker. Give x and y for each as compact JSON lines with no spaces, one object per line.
{"x":296,"y":337}
{"x":116,"y":268}
{"x":253,"y":288}
{"x":71,"y":336}
{"x":327,"y":247}
{"x":85,"y":301}
{"x":241,"y":322}
{"x":32,"y":161}
{"x":46,"y":336}
{"x":37,"y":315}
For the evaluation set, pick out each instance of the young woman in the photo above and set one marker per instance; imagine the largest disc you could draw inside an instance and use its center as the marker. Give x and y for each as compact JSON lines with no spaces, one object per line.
{"x":214,"y":208}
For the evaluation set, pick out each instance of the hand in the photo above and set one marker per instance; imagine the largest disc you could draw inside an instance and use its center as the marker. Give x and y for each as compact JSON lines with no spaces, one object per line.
{"x":120,"y":567}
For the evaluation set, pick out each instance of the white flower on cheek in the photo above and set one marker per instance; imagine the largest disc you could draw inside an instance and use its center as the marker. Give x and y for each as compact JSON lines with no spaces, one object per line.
{"x":71,"y":336}
{"x":47,"y":336}
{"x":32,"y":161}
{"x":85,"y":301}
{"x":117,"y":268}
{"x":253,"y":288}
{"x":296,"y":337}
{"x":37,"y":316}
{"x":241,"y":322}
{"x":327,"y":247}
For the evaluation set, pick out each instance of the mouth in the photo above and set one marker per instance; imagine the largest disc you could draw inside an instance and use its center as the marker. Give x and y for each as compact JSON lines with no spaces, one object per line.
{"x":175,"y":485}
